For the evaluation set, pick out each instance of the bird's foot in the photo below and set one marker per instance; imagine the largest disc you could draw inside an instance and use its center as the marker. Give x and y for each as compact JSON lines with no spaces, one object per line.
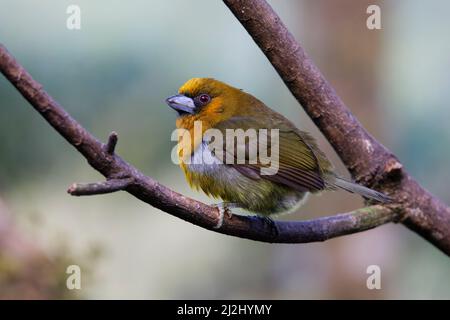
{"x":272,"y":225}
{"x":224,"y":208}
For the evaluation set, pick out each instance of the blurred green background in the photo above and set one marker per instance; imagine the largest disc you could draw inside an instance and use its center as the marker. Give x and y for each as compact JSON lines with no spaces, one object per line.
{"x":115,"y":73}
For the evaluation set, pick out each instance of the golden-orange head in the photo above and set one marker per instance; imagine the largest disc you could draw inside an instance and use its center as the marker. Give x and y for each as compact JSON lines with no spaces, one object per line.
{"x":210,"y":101}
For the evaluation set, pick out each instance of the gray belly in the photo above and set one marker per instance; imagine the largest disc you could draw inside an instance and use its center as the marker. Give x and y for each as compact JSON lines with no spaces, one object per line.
{"x":259,"y":196}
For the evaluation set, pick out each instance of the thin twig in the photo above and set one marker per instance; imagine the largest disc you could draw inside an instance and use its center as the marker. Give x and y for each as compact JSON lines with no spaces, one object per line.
{"x":102,"y":187}
{"x":112,"y":142}
{"x":368,"y":161}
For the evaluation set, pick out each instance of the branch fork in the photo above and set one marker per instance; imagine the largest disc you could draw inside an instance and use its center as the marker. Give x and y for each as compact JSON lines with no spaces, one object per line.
{"x":102,"y":187}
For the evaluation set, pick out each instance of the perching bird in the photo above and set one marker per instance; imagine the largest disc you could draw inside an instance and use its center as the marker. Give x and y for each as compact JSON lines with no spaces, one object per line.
{"x":301,"y":167}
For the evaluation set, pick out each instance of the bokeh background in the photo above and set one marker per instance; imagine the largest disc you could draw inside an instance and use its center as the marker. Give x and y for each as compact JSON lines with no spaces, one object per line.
{"x":115,"y":73}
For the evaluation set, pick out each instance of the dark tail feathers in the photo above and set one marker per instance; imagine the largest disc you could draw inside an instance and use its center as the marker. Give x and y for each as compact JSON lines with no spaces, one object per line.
{"x":361,"y":190}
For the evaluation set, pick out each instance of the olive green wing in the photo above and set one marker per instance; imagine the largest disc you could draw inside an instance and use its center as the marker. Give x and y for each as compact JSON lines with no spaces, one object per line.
{"x":293,"y":158}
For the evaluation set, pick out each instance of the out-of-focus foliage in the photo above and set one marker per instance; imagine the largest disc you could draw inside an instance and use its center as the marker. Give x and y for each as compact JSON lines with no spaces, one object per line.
{"x":27,"y":272}
{"x":115,"y":73}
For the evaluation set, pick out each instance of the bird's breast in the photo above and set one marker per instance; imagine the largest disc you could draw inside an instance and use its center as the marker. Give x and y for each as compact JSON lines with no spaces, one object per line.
{"x":206,"y":172}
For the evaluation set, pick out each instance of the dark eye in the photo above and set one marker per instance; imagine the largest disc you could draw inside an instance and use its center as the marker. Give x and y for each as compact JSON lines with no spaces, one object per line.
{"x":202,"y":99}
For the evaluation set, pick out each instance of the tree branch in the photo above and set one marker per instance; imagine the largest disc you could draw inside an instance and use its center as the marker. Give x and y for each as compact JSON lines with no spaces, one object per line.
{"x":123,"y":176}
{"x":368,"y":161}
{"x":108,"y":186}
{"x":377,"y":167}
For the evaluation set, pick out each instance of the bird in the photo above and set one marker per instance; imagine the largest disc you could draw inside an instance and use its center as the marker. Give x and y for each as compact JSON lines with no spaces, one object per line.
{"x":301,"y":167}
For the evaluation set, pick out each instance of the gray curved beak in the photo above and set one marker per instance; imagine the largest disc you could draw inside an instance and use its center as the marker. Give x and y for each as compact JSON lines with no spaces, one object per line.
{"x":181,"y":103}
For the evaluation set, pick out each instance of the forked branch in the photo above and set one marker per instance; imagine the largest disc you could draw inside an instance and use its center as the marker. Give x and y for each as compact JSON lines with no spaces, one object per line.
{"x":368,"y":161}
